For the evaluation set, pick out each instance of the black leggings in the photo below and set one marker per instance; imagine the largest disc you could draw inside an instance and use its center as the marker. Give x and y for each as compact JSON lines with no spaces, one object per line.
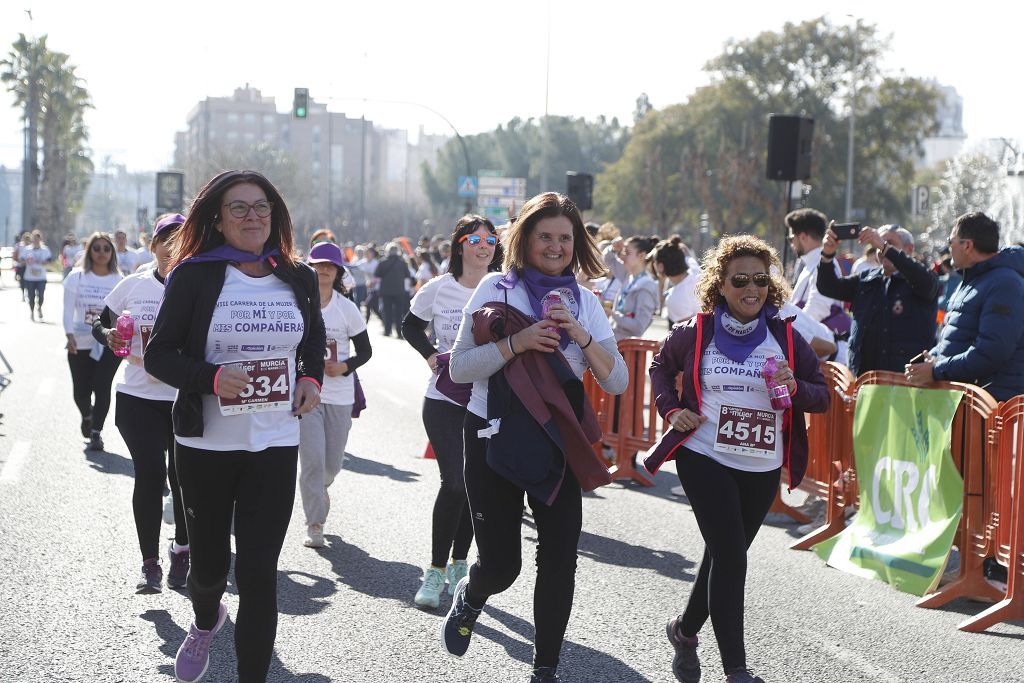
{"x":92,"y":378}
{"x":452,"y":527}
{"x":145,"y":425}
{"x":729,"y":506}
{"x":497,"y":509}
{"x":257,"y":491}
{"x":393,"y":309}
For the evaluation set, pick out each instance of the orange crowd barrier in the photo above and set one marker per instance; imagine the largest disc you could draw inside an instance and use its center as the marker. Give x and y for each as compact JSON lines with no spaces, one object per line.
{"x":1007,"y":522}
{"x":830,"y":468}
{"x":638,"y":424}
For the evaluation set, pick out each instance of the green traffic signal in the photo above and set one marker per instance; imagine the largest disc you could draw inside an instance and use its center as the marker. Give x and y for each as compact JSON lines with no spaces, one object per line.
{"x":300,"y":104}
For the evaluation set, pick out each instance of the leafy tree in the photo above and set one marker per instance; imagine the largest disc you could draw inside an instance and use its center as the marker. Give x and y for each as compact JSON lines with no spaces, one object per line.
{"x":707,"y":155}
{"x":574,"y":144}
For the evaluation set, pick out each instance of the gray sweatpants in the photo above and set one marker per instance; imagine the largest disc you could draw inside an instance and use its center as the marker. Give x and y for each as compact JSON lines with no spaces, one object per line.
{"x":323,"y":433}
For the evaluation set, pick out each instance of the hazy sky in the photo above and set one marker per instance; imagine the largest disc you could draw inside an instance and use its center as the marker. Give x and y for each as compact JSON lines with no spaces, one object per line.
{"x":478,"y":62}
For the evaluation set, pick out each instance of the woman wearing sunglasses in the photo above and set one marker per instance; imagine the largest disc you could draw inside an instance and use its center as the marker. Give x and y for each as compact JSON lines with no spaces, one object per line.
{"x":439,"y":302}
{"x":728,"y":442}
{"x":92,"y":365}
{"x":526,"y":339}
{"x":241,"y":337}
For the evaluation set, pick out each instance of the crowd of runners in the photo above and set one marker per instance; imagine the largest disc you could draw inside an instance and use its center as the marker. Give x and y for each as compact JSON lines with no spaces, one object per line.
{"x":241,"y":385}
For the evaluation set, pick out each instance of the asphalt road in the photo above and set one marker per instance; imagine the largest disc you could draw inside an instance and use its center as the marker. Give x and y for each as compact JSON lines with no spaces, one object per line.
{"x":69,"y":561}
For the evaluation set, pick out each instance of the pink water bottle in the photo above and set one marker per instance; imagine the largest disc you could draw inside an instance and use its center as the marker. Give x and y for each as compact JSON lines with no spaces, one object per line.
{"x":126,"y":328}
{"x":778,"y":393}
{"x":552,"y":298}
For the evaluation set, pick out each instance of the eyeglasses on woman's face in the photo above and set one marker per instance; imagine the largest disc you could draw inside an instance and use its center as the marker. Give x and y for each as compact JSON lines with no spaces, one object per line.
{"x":101,"y":248}
{"x":240,"y":209}
{"x":741,"y":280}
{"x":474,"y":239}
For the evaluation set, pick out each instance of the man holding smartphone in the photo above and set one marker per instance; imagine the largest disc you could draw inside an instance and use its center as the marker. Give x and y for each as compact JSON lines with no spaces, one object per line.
{"x":806,"y":229}
{"x":894,"y":305}
{"x":982,"y":341}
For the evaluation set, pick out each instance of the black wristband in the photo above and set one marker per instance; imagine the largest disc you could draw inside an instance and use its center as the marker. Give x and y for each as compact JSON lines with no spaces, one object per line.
{"x":508,"y":339}
{"x":589,"y":342}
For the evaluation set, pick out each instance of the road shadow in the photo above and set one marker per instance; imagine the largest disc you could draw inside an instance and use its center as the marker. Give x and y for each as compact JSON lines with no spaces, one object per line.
{"x":615,"y":552}
{"x":300,"y":593}
{"x":582,"y":662}
{"x":109,"y":463}
{"x":365,"y":574}
{"x":223,"y":661}
{"x":354,"y":463}
{"x":969,"y":608}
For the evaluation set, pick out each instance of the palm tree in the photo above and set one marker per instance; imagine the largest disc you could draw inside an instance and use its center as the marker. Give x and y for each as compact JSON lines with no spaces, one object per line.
{"x":64,"y":136}
{"x":54,"y":100}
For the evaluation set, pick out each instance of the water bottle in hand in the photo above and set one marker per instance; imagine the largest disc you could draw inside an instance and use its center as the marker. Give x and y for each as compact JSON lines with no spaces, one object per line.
{"x":778,"y":393}
{"x":126,"y":328}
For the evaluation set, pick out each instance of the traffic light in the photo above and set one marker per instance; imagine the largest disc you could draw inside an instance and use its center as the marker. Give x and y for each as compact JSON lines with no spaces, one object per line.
{"x":300,"y":105}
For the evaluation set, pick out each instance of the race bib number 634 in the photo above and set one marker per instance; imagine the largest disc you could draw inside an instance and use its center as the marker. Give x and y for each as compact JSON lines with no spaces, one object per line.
{"x":268,"y":389}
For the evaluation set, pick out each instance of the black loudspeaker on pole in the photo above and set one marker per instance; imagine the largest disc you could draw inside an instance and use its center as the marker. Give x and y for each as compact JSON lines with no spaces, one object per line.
{"x":580,"y":189}
{"x":789,"y":147}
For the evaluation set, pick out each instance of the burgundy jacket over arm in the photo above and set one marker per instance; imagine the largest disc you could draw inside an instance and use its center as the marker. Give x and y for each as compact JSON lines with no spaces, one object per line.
{"x":536,"y":386}
{"x":682,"y":353}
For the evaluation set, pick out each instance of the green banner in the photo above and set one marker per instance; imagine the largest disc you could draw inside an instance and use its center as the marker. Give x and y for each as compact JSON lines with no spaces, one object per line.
{"x":911,"y":494}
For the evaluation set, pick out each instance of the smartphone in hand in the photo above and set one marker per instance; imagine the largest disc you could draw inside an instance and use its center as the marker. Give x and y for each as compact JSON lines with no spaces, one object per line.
{"x":846,"y":231}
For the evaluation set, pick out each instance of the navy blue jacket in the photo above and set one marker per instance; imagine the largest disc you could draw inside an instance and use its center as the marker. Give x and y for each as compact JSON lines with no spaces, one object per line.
{"x":983,"y":339}
{"x":892,"y":321}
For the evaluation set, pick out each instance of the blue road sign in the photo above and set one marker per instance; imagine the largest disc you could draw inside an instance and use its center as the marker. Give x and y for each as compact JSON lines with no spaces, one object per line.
{"x":467,"y":186}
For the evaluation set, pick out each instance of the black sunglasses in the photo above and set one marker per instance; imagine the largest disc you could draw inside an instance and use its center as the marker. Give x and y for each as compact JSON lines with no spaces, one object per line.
{"x":742,"y":280}
{"x":101,"y":247}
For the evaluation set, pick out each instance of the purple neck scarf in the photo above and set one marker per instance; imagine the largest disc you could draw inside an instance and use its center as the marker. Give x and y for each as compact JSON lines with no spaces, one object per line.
{"x":537,"y":285}
{"x":737,"y":347}
{"x":226,"y":252}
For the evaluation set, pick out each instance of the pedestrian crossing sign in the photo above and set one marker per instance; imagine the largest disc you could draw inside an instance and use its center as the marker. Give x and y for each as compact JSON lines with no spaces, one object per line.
{"x":467,"y":186}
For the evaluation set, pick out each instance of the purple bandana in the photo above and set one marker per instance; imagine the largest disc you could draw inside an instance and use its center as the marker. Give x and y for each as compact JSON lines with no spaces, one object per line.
{"x":537,"y":285}
{"x":737,"y":347}
{"x":226,"y":252}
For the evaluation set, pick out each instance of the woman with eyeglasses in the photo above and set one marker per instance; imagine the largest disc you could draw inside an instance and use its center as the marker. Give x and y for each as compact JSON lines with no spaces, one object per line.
{"x":241,"y":337}
{"x":92,"y":365}
{"x":728,"y":442}
{"x":143,"y":413}
{"x":639,"y":297}
{"x":527,"y":337}
{"x":439,"y":302}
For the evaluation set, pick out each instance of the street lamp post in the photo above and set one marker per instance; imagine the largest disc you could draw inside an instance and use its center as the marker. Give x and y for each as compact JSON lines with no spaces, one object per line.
{"x":853,"y":120}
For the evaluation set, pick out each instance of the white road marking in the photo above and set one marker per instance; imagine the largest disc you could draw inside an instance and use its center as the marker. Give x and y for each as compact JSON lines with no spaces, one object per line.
{"x":45,"y":386}
{"x":851,"y":658}
{"x":15,"y":459}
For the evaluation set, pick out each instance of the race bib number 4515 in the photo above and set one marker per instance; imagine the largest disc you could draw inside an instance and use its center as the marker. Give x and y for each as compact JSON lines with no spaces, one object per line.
{"x":268,"y":389}
{"x":746,"y":431}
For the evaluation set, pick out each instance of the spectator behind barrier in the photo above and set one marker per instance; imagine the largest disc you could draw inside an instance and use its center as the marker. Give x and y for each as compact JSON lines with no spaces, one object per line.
{"x":894,"y":305}
{"x":983,"y":338}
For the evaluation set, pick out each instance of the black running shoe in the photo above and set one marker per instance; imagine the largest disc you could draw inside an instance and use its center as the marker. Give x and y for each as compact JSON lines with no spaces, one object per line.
{"x":151,"y":578}
{"x":544,"y":674}
{"x":457,"y":627}
{"x":95,"y":442}
{"x":178,"y":572}
{"x":743,"y":675}
{"x":685,"y":664}
{"x":86,"y":426}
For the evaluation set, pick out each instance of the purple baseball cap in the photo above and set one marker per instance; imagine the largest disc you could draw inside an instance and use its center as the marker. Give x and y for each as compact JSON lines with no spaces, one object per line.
{"x":326,"y":252}
{"x":167,"y":223}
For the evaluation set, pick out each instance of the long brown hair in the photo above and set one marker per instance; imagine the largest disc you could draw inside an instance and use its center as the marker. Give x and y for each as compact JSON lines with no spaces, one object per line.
{"x":199,"y":232}
{"x":586,"y":257}
{"x":717,"y":260}
{"x":87,"y":256}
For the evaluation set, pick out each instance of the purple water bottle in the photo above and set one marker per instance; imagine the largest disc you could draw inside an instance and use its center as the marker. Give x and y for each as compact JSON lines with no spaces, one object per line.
{"x":126,"y":328}
{"x":778,"y":393}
